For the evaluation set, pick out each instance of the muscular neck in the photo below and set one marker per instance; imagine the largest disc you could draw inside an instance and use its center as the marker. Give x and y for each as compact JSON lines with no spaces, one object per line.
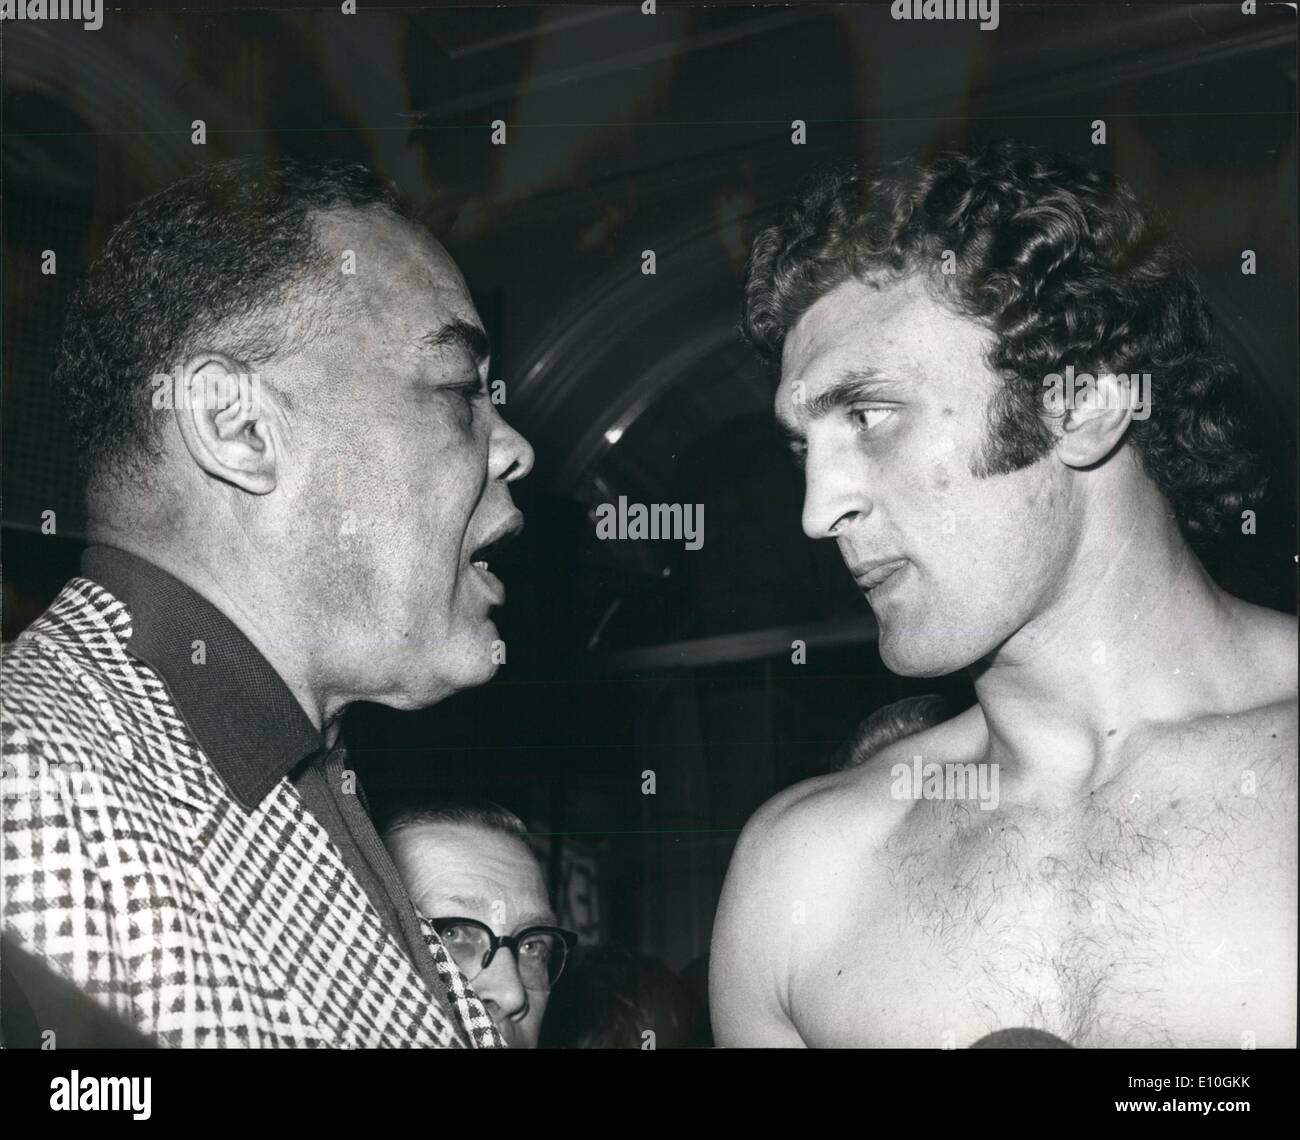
{"x":1133,"y":635}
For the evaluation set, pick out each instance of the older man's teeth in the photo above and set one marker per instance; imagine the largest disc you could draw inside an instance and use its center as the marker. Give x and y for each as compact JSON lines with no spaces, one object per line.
{"x":481,"y":565}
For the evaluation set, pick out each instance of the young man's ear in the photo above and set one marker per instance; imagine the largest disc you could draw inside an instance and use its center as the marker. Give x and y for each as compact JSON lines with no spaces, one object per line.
{"x":227,"y":421}
{"x":1094,"y":420}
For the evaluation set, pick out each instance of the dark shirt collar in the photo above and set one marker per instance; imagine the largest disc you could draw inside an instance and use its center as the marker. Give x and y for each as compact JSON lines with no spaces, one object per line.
{"x":243,"y":715}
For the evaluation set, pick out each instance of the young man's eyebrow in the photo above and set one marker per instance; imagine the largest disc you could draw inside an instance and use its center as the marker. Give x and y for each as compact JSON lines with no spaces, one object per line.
{"x":853,"y":385}
{"x":850,"y":387}
{"x":459,"y":334}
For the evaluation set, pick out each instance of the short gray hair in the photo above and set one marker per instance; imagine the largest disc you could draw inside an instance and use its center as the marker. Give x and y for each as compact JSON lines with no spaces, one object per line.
{"x":886,"y":725}
{"x":474,"y":810}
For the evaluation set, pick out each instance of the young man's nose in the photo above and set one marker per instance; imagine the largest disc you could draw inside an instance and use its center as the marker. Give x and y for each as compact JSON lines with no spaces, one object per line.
{"x":834,"y":492}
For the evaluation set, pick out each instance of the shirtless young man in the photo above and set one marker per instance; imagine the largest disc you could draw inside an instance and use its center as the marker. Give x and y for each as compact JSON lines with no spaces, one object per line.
{"x":1133,"y":882}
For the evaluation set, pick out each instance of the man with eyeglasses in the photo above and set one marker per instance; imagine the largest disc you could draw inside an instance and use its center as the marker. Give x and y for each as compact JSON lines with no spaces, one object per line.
{"x":472,"y":876}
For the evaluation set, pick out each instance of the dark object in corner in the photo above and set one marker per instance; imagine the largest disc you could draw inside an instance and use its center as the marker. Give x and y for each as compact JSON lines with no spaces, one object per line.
{"x":34,"y":1000}
{"x":1021,"y":1039}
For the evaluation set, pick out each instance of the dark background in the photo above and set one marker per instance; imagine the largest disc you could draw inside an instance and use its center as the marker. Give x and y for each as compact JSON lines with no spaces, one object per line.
{"x":629,"y":132}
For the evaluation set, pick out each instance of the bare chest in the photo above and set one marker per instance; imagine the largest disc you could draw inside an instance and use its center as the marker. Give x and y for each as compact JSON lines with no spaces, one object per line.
{"x":1142,"y":919}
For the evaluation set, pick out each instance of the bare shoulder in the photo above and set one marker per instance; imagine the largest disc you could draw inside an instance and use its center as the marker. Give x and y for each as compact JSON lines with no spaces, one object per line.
{"x":784,"y":860}
{"x":800,"y":838}
{"x":750,"y":954}
{"x":816,"y":820}
{"x":1265,"y":643}
{"x":1262,"y":727}
{"x":807,"y":846}
{"x":1239,"y":754}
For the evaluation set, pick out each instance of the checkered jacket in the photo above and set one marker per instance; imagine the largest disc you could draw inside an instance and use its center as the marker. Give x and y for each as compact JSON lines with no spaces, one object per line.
{"x":132,"y":871}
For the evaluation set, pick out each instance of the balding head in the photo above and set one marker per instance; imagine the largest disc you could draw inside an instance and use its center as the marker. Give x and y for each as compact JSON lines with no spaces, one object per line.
{"x":471,"y":861}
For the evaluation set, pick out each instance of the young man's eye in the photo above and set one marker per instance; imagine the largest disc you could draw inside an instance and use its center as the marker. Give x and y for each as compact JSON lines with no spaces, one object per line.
{"x":865,"y":419}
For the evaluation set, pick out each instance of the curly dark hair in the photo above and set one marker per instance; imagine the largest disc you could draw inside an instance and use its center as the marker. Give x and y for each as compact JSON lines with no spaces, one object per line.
{"x":1062,"y":265}
{"x":212,"y":261}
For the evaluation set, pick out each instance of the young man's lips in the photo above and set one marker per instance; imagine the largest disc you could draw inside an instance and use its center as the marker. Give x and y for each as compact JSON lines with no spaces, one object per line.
{"x":871,"y":575}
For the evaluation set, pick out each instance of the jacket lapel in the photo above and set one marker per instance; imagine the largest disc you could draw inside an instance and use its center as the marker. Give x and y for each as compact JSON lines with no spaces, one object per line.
{"x":272,"y":878}
{"x":279,"y":879}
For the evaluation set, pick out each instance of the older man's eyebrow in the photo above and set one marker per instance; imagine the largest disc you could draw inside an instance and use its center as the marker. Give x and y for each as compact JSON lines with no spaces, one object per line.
{"x":537,"y":918}
{"x":473,"y":902}
{"x":459,"y":334}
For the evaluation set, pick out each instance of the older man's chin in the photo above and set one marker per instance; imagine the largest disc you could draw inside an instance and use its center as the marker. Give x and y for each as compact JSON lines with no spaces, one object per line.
{"x":446,"y":670}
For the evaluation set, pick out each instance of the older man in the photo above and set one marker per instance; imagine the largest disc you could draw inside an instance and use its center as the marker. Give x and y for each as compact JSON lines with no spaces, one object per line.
{"x":470,"y":872}
{"x":294,"y":471}
{"x":1131,"y":880}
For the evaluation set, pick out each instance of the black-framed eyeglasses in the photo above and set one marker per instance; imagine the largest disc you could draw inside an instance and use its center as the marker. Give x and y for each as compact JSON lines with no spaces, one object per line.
{"x":540,"y":951}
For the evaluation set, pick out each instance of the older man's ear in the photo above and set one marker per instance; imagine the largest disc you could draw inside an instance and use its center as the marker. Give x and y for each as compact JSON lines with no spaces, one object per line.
{"x":231,"y":423}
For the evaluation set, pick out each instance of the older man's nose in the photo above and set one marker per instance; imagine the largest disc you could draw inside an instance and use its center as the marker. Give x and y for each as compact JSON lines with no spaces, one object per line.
{"x":501,"y":989}
{"x":511,"y":454}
